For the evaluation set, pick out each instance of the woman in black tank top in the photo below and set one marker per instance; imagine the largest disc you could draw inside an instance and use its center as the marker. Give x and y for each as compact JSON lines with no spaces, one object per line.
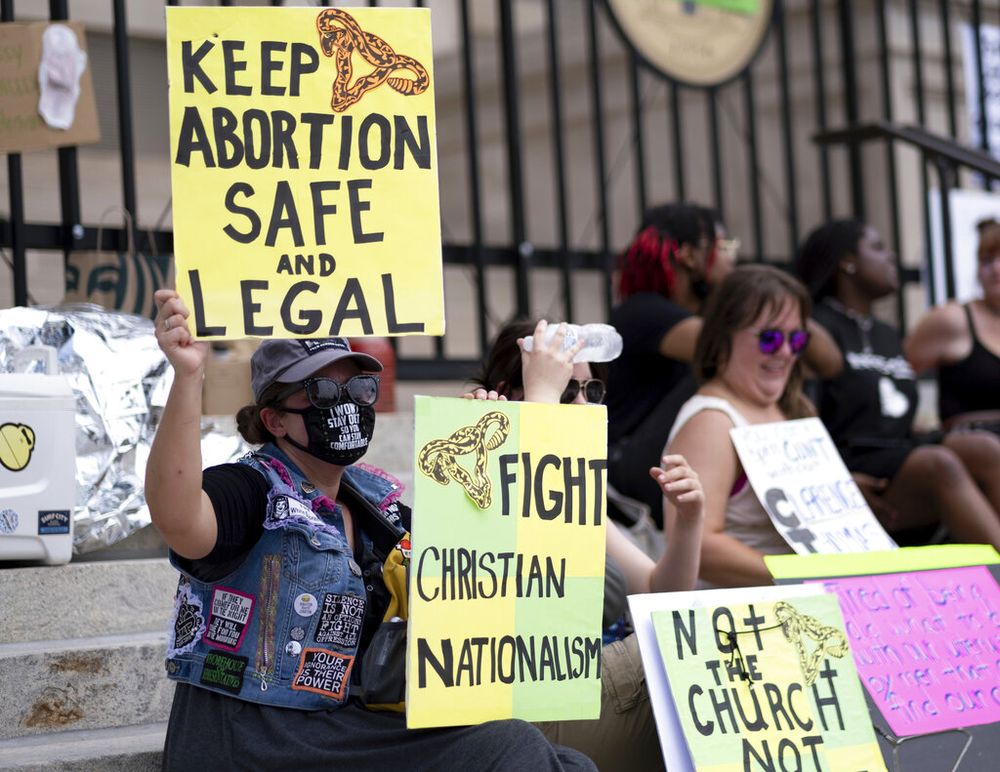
{"x":963,"y":343}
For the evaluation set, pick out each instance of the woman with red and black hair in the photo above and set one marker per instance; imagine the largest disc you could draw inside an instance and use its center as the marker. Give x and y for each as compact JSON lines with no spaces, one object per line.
{"x":662,"y":279}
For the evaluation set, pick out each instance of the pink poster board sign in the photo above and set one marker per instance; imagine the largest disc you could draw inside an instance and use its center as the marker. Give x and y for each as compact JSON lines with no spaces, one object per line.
{"x":926,"y":645}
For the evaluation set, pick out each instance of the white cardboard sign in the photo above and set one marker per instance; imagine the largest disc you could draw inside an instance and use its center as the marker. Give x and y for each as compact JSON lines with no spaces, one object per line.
{"x":802,"y":482}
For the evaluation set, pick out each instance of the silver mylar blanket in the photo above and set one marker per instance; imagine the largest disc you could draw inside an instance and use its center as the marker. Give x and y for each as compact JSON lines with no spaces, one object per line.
{"x":120,"y":379}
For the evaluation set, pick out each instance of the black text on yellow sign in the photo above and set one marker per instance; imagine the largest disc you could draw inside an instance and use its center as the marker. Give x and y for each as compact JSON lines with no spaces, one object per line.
{"x":309,"y":195}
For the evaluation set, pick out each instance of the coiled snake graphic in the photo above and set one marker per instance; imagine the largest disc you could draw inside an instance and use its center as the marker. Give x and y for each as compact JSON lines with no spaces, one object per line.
{"x":437,"y":459}
{"x":829,"y":640}
{"x":340,"y":36}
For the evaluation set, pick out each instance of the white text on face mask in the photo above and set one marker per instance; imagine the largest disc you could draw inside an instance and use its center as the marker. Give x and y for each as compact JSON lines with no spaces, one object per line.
{"x":346,"y":422}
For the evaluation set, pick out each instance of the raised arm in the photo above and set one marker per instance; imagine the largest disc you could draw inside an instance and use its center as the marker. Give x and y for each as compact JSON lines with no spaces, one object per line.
{"x":547,"y":368}
{"x":180,"y":510}
{"x":678,"y":568}
{"x":704,"y":441}
{"x":941,"y":337}
{"x":680,"y":340}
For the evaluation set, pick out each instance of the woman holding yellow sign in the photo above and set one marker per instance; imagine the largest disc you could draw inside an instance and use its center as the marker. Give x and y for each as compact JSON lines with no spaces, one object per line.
{"x":292,"y":566}
{"x":624,"y":737}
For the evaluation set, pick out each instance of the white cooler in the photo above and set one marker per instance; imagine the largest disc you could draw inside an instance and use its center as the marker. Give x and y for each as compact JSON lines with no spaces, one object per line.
{"x":37,"y":461}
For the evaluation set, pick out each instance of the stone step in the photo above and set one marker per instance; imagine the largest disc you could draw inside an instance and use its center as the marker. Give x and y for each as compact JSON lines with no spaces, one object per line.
{"x":43,"y":603}
{"x":121,"y":749}
{"x":83,"y":683}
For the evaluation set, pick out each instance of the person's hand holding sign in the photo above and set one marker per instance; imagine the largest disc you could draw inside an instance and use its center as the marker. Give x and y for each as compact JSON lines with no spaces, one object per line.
{"x":186,"y":355}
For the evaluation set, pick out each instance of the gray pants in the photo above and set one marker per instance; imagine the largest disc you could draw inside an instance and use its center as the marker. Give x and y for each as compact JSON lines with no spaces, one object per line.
{"x":624,"y":738}
{"x":211,"y":731}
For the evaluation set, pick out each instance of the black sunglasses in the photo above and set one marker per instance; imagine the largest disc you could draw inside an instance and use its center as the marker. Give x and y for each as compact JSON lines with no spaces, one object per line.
{"x":326,"y":393}
{"x":593,"y":390}
{"x":770,"y":340}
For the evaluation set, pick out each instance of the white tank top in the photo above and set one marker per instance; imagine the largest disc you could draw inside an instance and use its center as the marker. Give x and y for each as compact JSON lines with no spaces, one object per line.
{"x":746,"y":519}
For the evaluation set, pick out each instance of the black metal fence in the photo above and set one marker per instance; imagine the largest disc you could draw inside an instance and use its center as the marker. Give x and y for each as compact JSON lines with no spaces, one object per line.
{"x":554,"y":136}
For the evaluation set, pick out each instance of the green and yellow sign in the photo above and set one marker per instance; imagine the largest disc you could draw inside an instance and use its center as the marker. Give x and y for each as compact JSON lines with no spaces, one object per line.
{"x":507,"y":566}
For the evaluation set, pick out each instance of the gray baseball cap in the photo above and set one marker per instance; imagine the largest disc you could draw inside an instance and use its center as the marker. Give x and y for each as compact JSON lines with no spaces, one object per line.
{"x":291,"y":360}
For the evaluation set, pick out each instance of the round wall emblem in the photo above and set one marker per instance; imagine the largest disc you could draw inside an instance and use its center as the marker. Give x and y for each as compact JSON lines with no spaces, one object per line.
{"x":696,"y":42}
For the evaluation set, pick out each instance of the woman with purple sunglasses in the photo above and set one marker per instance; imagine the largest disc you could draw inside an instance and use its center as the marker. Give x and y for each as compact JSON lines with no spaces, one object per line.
{"x":747,"y":362}
{"x":912,"y":482}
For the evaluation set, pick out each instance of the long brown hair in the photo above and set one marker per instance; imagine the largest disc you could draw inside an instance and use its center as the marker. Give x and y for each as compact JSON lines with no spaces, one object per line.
{"x":746,"y":293}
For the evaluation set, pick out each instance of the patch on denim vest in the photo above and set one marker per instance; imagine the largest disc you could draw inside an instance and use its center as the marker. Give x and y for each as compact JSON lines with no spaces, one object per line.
{"x":224,"y":671}
{"x":230,"y":616}
{"x":283,"y":509}
{"x":341,"y":620}
{"x":324,"y":672}
{"x":188,"y":624}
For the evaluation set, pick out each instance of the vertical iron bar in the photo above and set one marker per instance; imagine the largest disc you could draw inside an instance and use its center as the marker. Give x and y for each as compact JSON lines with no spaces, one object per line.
{"x":472,"y":146}
{"x":945,"y":170}
{"x":820,"y":89}
{"x":69,"y":177}
{"x":984,"y":138}
{"x":754,"y":167}
{"x":949,"y":68}
{"x":516,"y":181}
{"x":637,"y":116}
{"x":977,"y":21}
{"x":918,"y":69}
{"x":562,"y":217}
{"x":598,"y":105}
{"x":715,"y":148}
{"x":851,"y":105}
{"x":918,"y":78}
{"x":15,"y":184}
{"x":678,"y":136}
{"x":788,"y":147}
{"x":890,"y":152}
{"x":125,"y":137}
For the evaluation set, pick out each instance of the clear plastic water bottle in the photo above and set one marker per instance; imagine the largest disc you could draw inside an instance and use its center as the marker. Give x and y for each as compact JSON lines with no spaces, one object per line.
{"x":602,"y":343}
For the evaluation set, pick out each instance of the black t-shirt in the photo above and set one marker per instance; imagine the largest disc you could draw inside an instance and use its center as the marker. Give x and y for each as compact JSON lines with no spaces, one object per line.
{"x":641,"y":377}
{"x":869,"y":408}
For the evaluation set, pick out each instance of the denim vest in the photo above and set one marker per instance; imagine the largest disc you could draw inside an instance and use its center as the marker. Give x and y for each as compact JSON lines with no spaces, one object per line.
{"x":284,"y":628}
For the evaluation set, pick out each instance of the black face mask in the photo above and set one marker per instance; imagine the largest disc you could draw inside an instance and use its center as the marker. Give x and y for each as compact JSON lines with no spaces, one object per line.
{"x":339,"y":435}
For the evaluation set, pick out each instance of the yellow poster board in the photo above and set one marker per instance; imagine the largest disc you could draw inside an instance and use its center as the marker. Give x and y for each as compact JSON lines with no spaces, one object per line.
{"x":507,"y":567}
{"x":766,"y":685}
{"x":304,"y":171}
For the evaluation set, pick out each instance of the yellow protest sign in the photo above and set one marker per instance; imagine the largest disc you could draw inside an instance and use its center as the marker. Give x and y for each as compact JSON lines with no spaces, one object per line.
{"x":766,"y":685}
{"x":784,"y":567}
{"x":304,"y":171}
{"x":507,"y":567}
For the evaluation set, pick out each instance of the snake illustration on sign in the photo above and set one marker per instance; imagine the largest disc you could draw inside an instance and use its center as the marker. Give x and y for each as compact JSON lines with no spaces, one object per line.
{"x":340,"y":36}
{"x":829,"y":641}
{"x":696,"y":42}
{"x":438,"y":458}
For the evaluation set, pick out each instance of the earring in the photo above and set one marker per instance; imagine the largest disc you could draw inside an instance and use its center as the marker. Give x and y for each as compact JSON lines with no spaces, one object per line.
{"x":850,"y":268}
